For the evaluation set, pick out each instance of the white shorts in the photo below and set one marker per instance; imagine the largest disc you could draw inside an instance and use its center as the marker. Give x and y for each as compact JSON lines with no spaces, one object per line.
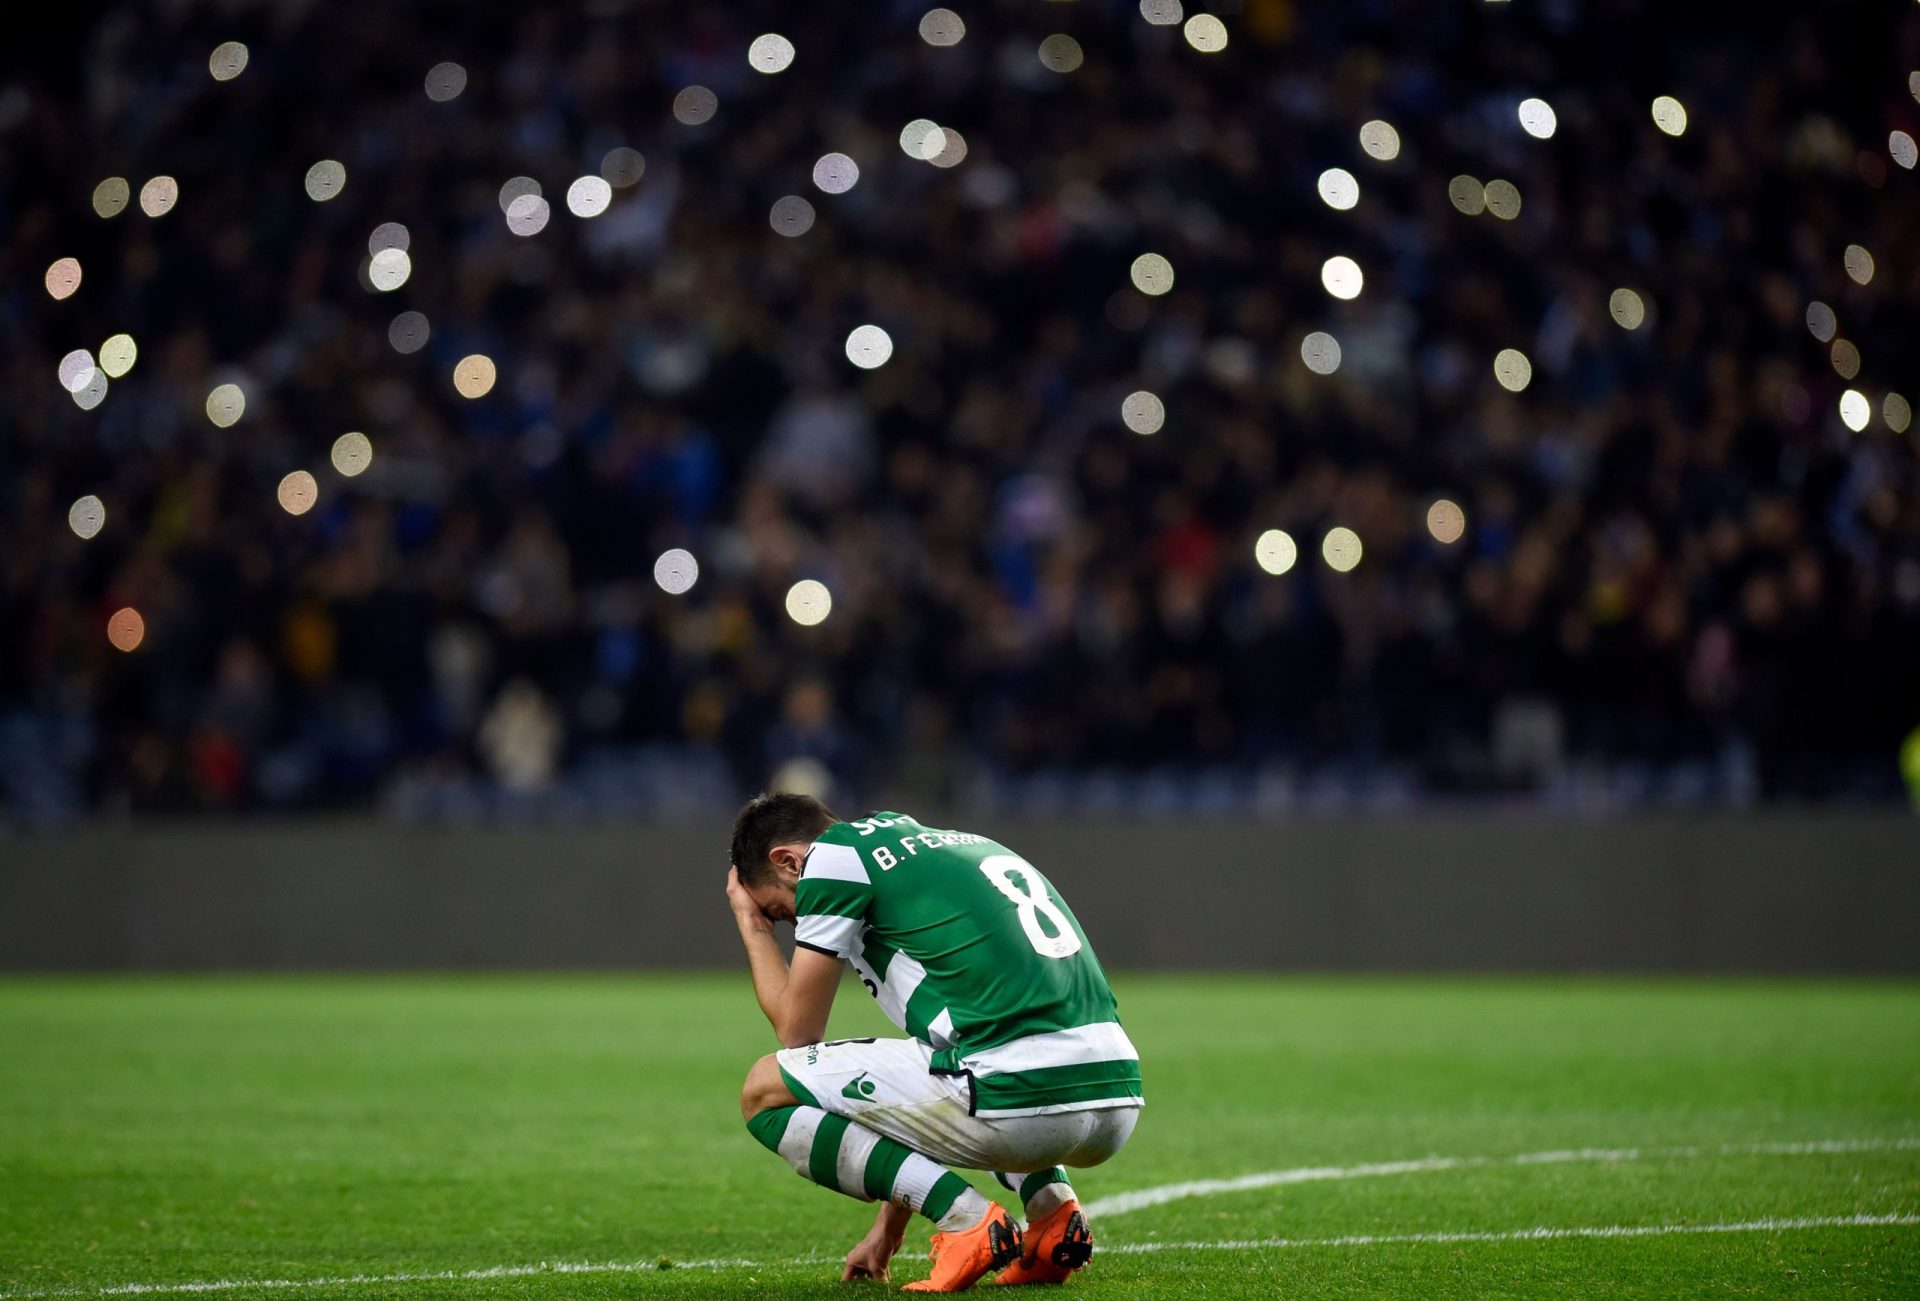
{"x":886,"y":1085}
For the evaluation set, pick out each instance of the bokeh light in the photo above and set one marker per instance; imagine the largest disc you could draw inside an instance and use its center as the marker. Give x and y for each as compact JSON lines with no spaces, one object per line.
{"x":942,"y":27}
{"x":954,"y":152}
{"x":1060,"y":53}
{"x":228,"y":60}
{"x":1321,"y":352}
{"x":1859,"y":264}
{"x":1627,"y":309}
{"x":1206,"y":33}
{"x":1162,"y":13}
{"x":1846,"y":358}
{"x":1143,"y":412}
{"x":86,"y":517}
{"x":869,"y":346}
{"x":1897,"y":412}
{"x":1341,"y":549}
{"x":389,"y":269}
{"x":695,"y":106}
{"x":1503,"y":199}
{"x":1338,"y":189}
{"x":1151,"y":274}
{"x":1380,"y":140}
{"x":1341,"y":277}
{"x":1821,"y":321}
{"x":111,"y":196}
{"x":409,"y":332}
{"x":226,"y":404}
{"x":1670,"y":115}
{"x":791,"y":216}
{"x":473,"y":375}
{"x":389,"y":234}
{"x":921,"y":139}
{"x":1855,"y":410}
{"x":1904,"y":150}
{"x":158,"y":196}
{"x":528,"y":215}
{"x":1538,"y":119}
{"x":623,"y":167}
{"x":325,"y":180}
{"x":836,"y":173}
{"x":809,"y":602}
{"x":93,"y":392}
{"x":445,"y":81}
{"x":63,"y":277}
{"x":516,"y":187}
{"x":676,"y":571}
{"x":1512,"y":369}
{"x":77,"y":370}
{"x":298,"y":492}
{"x":1446,"y":522}
{"x":1467,"y":194}
{"x":589,"y":196}
{"x":352,"y":454}
{"x":770,"y":53}
{"x":126,"y":629}
{"x":1275,"y":551}
{"x":118,"y":354}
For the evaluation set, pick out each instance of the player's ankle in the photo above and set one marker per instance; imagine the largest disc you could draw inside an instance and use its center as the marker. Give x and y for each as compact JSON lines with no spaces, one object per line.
{"x":1047,"y":1200}
{"x":968,"y":1209}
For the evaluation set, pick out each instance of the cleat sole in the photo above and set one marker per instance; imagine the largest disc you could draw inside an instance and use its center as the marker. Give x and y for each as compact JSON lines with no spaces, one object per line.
{"x":1075,"y":1247}
{"x":1003,"y":1240}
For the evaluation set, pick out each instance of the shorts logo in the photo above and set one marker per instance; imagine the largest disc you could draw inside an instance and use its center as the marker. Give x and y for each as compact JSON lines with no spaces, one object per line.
{"x":859,"y":1088}
{"x":813,"y":1054}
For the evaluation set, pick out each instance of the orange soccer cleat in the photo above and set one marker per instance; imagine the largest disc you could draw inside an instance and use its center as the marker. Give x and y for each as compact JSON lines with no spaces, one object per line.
{"x":962,"y":1259}
{"x":1056,"y":1244}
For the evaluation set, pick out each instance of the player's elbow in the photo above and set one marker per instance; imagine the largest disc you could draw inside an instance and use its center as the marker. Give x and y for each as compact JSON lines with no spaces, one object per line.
{"x":796,"y":1027}
{"x":795,"y":1036}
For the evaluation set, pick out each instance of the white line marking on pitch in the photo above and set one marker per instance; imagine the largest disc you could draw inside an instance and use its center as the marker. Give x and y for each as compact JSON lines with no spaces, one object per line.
{"x":1124,"y":1202}
{"x":1543,"y":1233}
{"x":1144,"y":1198}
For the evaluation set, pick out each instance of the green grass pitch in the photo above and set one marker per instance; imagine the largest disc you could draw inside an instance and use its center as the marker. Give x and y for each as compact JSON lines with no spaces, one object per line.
{"x":165,"y":1131}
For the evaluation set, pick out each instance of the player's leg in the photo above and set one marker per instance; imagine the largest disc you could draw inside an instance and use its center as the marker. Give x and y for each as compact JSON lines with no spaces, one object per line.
{"x":847,"y":1157}
{"x":888,"y":1088}
{"x":1058,"y":1239}
{"x":809,"y":1104}
{"x":1040,"y":1191}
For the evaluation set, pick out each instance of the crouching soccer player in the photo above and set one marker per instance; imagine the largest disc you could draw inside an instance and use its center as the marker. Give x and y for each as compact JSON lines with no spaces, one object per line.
{"x":1017,"y":1063}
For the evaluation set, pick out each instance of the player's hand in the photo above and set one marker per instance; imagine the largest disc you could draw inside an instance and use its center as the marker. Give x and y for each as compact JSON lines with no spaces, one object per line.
{"x":745,"y":910}
{"x":870,"y":1258}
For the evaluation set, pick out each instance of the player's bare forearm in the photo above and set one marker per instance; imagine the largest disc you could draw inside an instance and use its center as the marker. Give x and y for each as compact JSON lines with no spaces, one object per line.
{"x":892,"y":1221}
{"x":769,"y":968}
{"x":796,"y":1000}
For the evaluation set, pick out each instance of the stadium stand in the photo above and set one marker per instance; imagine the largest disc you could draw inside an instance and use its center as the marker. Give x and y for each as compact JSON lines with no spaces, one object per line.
{"x":1684,"y":577}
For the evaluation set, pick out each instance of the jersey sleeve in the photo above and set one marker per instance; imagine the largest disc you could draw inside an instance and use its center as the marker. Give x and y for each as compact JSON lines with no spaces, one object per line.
{"x":832,"y":900}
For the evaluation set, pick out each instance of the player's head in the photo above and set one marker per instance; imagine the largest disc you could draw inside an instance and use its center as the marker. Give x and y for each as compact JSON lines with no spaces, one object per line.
{"x":771,"y":836}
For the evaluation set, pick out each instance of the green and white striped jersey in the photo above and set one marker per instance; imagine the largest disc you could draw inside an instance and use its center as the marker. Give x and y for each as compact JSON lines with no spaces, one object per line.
{"x":968,"y":948}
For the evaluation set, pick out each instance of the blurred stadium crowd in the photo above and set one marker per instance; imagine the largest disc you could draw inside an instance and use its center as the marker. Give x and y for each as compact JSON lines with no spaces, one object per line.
{"x":1684,"y":579}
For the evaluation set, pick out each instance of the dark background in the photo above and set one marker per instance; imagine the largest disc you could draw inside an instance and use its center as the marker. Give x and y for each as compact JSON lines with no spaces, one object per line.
{"x":1683,"y":582}
{"x":1647,"y":713}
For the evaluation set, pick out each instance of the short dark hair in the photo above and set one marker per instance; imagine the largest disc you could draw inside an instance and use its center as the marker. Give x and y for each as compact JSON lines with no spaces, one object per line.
{"x":777,"y":818}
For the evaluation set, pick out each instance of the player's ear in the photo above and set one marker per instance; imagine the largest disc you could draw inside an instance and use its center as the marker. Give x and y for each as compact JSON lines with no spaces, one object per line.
{"x":787,"y":861}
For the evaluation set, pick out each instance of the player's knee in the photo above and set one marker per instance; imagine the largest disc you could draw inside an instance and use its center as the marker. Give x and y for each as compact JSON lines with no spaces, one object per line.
{"x":764,"y":1088}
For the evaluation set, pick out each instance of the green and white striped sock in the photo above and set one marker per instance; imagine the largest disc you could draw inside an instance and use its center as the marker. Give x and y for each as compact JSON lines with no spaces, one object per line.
{"x":1039,"y":1192}
{"x":835,"y":1153}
